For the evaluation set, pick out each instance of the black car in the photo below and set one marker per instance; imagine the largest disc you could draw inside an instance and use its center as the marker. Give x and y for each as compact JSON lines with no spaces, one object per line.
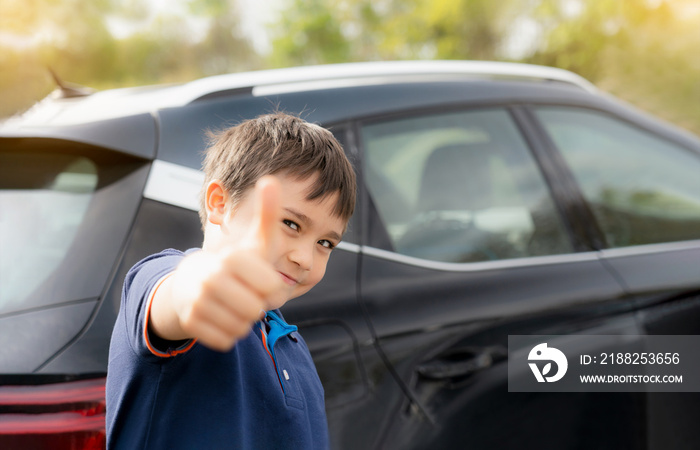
{"x":495,"y":199}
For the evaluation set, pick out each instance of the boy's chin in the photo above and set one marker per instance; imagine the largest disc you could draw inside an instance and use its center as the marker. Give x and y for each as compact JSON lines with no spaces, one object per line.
{"x":280,"y":301}
{"x":283,"y":297}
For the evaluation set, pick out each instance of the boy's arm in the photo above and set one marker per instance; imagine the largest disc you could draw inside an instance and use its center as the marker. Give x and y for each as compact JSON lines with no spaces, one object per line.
{"x":216,"y":296}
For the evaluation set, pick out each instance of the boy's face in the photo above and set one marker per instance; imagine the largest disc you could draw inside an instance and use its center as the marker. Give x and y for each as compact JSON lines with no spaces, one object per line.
{"x":307,"y":232}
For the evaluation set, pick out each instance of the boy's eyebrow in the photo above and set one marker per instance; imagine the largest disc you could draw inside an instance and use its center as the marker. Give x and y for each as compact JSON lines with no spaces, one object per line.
{"x":306,"y":220}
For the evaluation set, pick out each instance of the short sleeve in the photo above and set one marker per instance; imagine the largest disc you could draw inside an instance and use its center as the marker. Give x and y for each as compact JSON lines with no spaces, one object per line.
{"x":140,"y":285}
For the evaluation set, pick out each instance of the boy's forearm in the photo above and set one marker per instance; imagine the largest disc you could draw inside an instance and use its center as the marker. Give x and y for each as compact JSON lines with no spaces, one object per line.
{"x":163,"y":319}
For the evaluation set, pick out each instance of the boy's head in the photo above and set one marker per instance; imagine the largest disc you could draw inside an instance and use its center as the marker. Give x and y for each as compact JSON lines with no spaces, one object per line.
{"x":315,"y":194}
{"x":279,"y":143}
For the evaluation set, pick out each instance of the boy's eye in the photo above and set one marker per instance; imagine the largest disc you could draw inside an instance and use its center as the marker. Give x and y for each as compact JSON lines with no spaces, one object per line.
{"x":327,"y":244}
{"x":293,"y":225}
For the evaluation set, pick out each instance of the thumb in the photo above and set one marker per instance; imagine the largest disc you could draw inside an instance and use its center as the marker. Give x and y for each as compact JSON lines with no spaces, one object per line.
{"x":266,"y":215}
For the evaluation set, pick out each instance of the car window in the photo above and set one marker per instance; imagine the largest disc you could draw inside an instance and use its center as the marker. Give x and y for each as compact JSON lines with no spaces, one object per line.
{"x":65,"y":208}
{"x":642,"y":189}
{"x":459,"y":187}
{"x":43,"y":199}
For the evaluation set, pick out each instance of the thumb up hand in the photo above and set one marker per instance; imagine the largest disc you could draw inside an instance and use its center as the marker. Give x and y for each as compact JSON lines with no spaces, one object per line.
{"x":216,"y":295}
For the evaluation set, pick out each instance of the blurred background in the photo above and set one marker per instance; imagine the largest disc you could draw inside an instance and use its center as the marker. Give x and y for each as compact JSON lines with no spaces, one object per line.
{"x":646,"y":52}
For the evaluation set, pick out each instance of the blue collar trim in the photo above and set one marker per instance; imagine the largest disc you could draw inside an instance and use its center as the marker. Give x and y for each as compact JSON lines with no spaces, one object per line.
{"x":278,"y":328}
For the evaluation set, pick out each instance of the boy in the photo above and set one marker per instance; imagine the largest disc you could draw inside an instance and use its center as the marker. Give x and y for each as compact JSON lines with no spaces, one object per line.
{"x":199,"y":357}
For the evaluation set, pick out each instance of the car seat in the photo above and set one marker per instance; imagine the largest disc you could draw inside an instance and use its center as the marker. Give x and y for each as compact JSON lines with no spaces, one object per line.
{"x":455,"y":184}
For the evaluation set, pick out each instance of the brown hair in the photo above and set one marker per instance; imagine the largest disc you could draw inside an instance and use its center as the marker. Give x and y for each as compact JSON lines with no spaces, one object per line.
{"x":274,"y":143}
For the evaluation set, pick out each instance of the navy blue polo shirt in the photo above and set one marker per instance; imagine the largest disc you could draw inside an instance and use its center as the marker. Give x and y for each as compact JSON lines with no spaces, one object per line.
{"x":263,"y":394}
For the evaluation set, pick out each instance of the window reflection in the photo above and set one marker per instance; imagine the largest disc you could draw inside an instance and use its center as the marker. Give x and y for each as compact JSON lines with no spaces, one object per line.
{"x":642,"y":189}
{"x":43,"y":200}
{"x":459,"y":187}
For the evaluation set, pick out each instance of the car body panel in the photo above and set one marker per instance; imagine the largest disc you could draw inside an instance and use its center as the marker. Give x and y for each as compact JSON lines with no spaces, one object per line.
{"x":133,"y":135}
{"x":30,"y":338}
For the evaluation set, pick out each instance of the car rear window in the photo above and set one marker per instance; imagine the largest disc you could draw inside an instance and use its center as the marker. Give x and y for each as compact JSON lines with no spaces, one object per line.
{"x":44,"y":198}
{"x":63,"y":217}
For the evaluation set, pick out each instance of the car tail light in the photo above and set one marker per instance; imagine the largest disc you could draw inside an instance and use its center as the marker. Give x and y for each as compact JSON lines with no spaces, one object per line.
{"x":58,"y":416}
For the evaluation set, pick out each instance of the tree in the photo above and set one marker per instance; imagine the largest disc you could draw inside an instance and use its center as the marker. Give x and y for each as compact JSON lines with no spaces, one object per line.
{"x":640,"y":50}
{"x":309,"y":32}
{"x":637,"y":50}
{"x":73,"y":38}
{"x":69,"y":37}
{"x":314,"y":32}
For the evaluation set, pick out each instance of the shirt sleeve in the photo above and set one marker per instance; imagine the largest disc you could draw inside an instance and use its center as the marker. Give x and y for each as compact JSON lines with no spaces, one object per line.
{"x":140,"y":285}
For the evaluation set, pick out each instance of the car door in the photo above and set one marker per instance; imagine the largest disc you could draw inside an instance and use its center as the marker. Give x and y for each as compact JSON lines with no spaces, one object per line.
{"x":463,"y":245}
{"x":644,"y":191}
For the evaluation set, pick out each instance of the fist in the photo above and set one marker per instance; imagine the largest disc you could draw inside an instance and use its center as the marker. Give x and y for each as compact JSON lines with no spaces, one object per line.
{"x":217,"y":294}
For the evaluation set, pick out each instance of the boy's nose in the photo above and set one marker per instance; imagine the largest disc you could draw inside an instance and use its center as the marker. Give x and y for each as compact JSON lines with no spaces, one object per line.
{"x":303,"y":256}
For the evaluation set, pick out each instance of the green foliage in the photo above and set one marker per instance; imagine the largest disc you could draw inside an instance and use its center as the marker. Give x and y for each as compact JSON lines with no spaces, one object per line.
{"x":80,"y":45}
{"x":72,"y":38}
{"x":224,"y":49}
{"x":451,"y":29}
{"x":313,"y":32}
{"x":309,"y":32}
{"x":21,"y":81}
{"x":640,"y":50}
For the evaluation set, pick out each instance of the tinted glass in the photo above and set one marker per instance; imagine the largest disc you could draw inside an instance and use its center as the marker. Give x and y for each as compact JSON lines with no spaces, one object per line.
{"x":43,"y":199}
{"x":459,"y":187}
{"x":65,"y":210}
{"x":642,"y":189}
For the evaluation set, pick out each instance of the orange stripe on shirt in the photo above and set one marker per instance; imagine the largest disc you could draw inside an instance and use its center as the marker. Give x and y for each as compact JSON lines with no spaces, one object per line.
{"x":151,"y":348}
{"x":263,"y":334}
{"x":264,"y":341}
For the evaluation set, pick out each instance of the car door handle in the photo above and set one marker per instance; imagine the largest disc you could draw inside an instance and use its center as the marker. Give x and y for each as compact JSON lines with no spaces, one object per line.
{"x":461,"y":362}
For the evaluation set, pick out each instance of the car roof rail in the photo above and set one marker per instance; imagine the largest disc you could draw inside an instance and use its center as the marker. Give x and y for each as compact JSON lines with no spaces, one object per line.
{"x":266,"y":82}
{"x":78,"y":107}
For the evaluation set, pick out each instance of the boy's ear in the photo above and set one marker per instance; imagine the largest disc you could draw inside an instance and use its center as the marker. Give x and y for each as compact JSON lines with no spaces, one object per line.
{"x":215,"y":200}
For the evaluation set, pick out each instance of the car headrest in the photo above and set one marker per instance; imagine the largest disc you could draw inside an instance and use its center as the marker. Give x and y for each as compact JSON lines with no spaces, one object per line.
{"x":456,"y":177}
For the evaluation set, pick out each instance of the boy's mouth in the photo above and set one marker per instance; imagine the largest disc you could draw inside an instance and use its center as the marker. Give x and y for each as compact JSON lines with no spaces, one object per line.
{"x":287,"y":279}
